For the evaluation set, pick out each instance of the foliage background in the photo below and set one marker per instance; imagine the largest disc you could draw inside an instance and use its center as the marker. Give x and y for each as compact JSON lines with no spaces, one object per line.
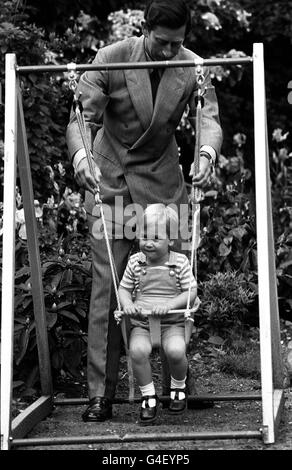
{"x":62,"y":31}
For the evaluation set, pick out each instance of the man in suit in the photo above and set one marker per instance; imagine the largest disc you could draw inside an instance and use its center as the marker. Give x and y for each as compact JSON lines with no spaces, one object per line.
{"x":135,"y":158}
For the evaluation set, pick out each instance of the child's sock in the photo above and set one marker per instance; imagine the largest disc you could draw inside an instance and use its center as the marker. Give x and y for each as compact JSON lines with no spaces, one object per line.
{"x":148,"y":389}
{"x":178,"y":384}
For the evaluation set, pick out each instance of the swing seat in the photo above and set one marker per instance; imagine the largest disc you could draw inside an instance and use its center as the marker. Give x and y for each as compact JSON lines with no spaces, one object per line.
{"x":155,"y":330}
{"x":155,"y":334}
{"x":155,"y":324}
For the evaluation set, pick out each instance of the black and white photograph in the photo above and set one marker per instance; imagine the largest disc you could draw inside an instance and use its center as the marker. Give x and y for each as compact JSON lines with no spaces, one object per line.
{"x":146,"y":228}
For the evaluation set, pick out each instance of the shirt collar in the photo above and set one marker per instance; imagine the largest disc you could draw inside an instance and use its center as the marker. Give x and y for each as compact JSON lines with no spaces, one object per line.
{"x":147,"y":55}
{"x":149,"y":58}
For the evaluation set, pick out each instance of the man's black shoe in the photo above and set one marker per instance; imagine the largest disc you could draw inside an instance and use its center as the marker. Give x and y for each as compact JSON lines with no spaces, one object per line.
{"x":148,"y":414}
{"x":99,"y":409}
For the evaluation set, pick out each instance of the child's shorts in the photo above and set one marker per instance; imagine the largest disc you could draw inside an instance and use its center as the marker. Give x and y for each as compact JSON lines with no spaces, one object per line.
{"x":166,"y":333}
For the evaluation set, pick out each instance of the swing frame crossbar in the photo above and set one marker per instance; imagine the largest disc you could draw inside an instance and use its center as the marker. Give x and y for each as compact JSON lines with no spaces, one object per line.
{"x":14,"y":432}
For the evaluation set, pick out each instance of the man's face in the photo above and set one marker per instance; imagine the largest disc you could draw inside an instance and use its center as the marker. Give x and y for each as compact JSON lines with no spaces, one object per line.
{"x":163,"y":43}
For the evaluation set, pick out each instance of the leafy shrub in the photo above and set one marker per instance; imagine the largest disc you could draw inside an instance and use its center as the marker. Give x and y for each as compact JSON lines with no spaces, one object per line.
{"x":228,"y":220}
{"x":226,"y":298}
{"x":228,"y":232}
{"x":67,"y":286}
{"x":284,"y":272}
{"x":46,"y":99}
{"x":66,"y":278}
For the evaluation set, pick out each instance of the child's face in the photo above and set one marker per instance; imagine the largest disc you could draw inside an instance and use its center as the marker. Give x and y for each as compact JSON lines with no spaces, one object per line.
{"x":154,"y":242}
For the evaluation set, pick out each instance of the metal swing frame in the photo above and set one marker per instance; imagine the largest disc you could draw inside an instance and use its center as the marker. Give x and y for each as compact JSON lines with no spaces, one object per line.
{"x":14,"y":432}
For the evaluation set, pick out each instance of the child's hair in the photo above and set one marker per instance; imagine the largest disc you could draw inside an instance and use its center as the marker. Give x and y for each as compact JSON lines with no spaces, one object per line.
{"x":164,"y":218}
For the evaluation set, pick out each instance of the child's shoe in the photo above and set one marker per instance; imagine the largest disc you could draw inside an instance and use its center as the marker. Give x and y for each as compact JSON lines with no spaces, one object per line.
{"x":178,"y":400}
{"x":148,"y":414}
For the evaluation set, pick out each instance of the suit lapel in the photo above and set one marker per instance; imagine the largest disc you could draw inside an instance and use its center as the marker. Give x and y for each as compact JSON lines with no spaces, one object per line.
{"x":139,"y":86}
{"x":169,"y":93}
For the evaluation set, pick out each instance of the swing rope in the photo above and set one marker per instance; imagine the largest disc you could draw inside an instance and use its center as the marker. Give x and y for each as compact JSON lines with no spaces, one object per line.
{"x":196,"y":195}
{"x":195,"y":199}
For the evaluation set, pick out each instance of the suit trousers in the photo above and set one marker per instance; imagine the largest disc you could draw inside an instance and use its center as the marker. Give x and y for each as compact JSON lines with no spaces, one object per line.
{"x":104,"y":335}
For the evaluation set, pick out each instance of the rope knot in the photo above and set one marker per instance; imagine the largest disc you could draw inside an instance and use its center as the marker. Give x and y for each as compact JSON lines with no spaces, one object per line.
{"x":188,"y":316}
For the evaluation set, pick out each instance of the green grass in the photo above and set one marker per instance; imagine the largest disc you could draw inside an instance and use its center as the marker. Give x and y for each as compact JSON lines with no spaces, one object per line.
{"x":243,"y":364}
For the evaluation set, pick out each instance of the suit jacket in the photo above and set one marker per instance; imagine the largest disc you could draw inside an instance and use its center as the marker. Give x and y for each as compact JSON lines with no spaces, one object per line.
{"x":135,"y":148}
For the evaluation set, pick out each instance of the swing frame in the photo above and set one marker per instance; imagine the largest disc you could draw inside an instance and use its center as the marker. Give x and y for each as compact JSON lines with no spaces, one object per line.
{"x":14,"y":432}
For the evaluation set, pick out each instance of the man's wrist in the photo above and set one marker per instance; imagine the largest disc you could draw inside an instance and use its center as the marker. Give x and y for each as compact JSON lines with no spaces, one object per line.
{"x":208,"y":152}
{"x":79,"y":156}
{"x":208,"y":157}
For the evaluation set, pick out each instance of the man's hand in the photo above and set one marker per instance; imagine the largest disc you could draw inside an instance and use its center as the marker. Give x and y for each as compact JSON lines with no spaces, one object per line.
{"x":84,"y":177}
{"x":201,"y":179}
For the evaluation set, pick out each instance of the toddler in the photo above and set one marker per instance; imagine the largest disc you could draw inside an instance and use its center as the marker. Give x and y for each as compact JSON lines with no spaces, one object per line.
{"x":157,"y":280}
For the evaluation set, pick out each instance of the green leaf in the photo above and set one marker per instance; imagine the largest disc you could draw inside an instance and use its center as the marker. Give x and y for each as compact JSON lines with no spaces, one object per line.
{"x":22,"y":271}
{"x":211,"y":193}
{"x":18,"y":327}
{"x":85,"y":269}
{"x":56,"y":279}
{"x":238,"y":232}
{"x":57,"y":359}
{"x":224,"y":250}
{"x":17,"y":383}
{"x":286,"y":264}
{"x":32,"y":77}
{"x":228,"y":240}
{"x":27,"y":302}
{"x":48,"y":266}
{"x":61,"y":305}
{"x":51,"y":318}
{"x":73,"y":288}
{"x":232,"y":211}
{"x":70,"y":315}
{"x":287,"y":279}
{"x":23,"y":343}
{"x":67,"y":276}
{"x":81,"y":312}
